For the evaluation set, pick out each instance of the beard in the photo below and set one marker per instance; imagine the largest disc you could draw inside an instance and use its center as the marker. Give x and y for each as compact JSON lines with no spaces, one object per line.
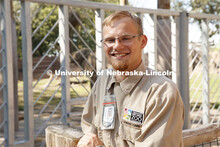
{"x":120,"y":66}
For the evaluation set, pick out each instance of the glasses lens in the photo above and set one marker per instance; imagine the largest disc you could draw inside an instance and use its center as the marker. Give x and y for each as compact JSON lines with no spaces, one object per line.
{"x":122,"y":39}
{"x":126,"y":38}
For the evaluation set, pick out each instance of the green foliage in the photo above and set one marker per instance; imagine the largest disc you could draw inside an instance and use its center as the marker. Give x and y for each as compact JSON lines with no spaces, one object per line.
{"x":44,"y":29}
{"x":81,"y":19}
{"x":200,"y":6}
{"x":82,"y":31}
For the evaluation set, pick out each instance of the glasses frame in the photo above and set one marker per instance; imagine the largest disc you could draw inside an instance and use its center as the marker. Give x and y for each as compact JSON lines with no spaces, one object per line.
{"x":119,"y":38}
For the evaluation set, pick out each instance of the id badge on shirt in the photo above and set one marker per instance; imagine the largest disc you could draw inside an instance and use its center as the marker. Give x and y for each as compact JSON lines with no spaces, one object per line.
{"x":109,"y":112}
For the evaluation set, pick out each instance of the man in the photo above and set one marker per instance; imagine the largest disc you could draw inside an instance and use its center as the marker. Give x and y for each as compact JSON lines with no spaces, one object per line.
{"x":130,"y":108}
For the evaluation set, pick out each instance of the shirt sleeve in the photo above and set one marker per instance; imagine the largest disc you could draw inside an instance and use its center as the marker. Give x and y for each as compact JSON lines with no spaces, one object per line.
{"x":164,"y":117}
{"x":89,"y":113}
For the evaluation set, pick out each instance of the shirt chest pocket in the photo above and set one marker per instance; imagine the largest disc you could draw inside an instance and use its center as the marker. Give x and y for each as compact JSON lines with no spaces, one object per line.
{"x":129,"y":131}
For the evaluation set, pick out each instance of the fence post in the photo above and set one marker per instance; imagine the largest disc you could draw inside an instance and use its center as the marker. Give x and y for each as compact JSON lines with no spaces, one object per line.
{"x":152,"y":61}
{"x":64,"y":60}
{"x":175,"y":48}
{"x":27,"y":72}
{"x":1,"y":70}
{"x":100,"y":54}
{"x":183,"y":83}
{"x":8,"y":89}
{"x":205,"y":71}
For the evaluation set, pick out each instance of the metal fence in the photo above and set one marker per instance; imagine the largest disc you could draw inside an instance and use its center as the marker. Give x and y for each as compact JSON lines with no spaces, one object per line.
{"x":50,"y":95}
{"x":204,"y":75}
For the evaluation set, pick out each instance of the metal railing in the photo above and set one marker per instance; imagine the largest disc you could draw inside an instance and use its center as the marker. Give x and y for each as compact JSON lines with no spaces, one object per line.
{"x":77,"y":30}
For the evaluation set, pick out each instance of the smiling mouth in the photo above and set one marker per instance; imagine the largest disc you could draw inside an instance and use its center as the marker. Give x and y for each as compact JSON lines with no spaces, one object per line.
{"x":115,"y":54}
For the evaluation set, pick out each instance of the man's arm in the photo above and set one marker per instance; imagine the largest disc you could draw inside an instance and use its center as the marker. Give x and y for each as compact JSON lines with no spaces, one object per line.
{"x":164,"y":118}
{"x":87,"y":122}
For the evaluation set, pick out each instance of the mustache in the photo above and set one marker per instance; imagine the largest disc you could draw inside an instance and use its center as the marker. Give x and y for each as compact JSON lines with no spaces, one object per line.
{"x":113,"y":52}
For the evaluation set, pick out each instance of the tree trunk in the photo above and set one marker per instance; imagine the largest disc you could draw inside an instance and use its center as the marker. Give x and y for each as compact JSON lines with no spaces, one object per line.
{"x":123,"y":2}
{"x":62,"y":136}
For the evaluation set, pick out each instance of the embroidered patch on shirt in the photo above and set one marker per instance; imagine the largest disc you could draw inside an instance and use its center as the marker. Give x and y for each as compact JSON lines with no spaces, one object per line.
{"x":133,"y":116}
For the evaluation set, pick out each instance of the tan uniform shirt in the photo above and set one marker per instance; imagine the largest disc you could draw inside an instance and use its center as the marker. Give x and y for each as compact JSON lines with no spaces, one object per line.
{"x":153,"y":102}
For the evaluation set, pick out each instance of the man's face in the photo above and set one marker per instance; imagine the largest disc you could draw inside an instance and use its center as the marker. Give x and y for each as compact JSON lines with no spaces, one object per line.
{"x":124,"y":55}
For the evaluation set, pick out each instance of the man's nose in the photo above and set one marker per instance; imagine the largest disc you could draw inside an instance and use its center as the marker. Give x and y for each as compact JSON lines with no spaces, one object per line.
{"x":117,"y":42}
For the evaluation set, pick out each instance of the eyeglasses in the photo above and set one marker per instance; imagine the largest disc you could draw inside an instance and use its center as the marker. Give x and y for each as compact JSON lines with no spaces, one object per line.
{"x":125,"y":39}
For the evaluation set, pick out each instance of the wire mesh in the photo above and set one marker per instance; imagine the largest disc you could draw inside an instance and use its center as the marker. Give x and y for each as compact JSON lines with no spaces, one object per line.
{"x":196,"y":68}
{"x":214,"y":143}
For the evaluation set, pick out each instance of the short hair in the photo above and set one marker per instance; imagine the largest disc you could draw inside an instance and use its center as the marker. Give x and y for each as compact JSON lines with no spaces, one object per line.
{"x":122,"y":14}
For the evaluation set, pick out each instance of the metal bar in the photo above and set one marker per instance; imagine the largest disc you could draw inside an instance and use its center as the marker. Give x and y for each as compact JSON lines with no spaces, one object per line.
{"x":35,"y":13}
{"x":81,"y":38}
{"x":167,"y":26}
{"x":82,"y":85}
{"x":166,"y":36}
{"x":153,"y":51}
{"x":97,"y":5}
{"x":196,"y":67}
{"x":89,"y":19}
{"x":197,"y":113}
{"x":216,"y":90}
{"x":82,"y":68}
{"x":215,"y":104}
{"x":164,"y":57}
{"x":183,"y":79}
{"x":100,"y":55}
{"x":2,"y":124}
{"x":64,"y":59}
{"x":8,"y":90}
{"x":74,"y":91}
{"x":47,"y":120}
{"x":2,"y":105}
{"x":1,"y":69}
{"x":43,"y":21}
{"x":1,"y":88}
{"x":163,"y":43}
{"x":204,"y":16}
{"x":47,"y":103}
{"x":45,"y":89}
{"x":84,"y":28}
{"x":45,"y":37}
{"x":193,"y":60}
{"x":195,"y":80}
{"x":46,"y":70}
{"x":205,"y":79}
{"x":175,"y":49}
{"x":143,"y":57}
{"x":93,"y":68}
{"x":27,"y":72}
{"x":42,"y":58}
{"x":23,"y":143}
{"x":197,"y":89}
{"x":1,"y":50}
{"x":200,"y":84}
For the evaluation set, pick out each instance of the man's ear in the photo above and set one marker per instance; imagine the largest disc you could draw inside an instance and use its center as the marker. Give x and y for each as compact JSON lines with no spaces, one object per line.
{"x":144,"y":41}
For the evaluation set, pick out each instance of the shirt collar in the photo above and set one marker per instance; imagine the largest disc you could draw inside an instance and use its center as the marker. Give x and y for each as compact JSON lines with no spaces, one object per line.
{"x":130,"y":82}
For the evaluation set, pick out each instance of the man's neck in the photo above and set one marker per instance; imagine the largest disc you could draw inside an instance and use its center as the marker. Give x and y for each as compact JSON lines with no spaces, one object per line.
{"x":120,"y":78}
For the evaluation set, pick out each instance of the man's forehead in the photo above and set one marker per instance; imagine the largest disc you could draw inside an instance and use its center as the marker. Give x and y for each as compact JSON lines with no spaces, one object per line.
{"x":119,"y":20}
